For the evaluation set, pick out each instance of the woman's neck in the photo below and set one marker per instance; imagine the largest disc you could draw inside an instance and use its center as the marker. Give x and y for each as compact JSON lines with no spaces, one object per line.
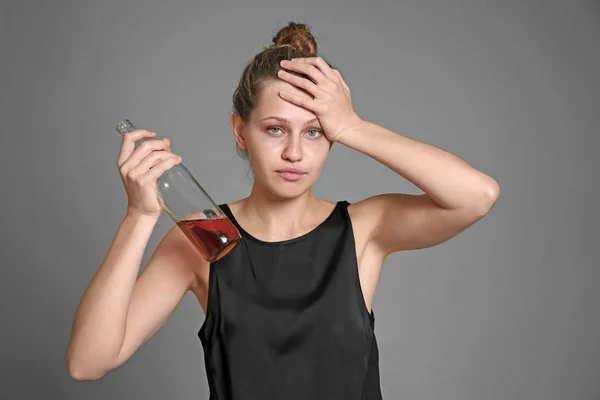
{"x":275,"y":219}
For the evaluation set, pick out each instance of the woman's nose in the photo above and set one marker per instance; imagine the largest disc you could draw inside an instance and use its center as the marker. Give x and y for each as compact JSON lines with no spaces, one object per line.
{"x":293,"y":149}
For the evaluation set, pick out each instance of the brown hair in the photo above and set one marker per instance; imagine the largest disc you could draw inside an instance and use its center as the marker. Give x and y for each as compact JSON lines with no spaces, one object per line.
{"x":292,"y":41}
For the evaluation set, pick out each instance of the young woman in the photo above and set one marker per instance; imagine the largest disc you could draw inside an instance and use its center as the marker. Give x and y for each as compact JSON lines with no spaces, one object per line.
{"x":288,"y":311}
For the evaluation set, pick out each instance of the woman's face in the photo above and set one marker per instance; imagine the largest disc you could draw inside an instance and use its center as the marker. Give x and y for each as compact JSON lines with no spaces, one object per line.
{"x":286,"y":146}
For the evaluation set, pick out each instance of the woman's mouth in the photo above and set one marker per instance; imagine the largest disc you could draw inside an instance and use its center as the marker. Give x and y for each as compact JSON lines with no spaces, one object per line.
{"x":290,"y":174}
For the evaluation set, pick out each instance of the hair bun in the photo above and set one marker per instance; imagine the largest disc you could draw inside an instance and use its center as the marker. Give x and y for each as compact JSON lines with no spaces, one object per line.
{"x":297,"y":36}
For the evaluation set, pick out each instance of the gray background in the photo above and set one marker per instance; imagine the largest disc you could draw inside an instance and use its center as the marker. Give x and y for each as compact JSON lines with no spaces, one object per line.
{"x":506,"y":310}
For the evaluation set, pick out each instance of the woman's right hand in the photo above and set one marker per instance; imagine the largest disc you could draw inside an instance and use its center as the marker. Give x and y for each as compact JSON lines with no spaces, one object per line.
{"x":140,"y":169}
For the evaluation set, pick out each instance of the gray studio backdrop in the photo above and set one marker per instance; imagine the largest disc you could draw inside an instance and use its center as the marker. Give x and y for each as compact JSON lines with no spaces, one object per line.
{"x":507,"y":310}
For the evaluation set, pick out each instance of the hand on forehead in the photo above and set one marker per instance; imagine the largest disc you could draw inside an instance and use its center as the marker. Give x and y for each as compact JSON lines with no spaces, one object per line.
{"x":275,"y":87}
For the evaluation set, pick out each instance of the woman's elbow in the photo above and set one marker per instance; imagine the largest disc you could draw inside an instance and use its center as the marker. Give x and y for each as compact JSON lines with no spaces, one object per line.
{"x":79,"y":372}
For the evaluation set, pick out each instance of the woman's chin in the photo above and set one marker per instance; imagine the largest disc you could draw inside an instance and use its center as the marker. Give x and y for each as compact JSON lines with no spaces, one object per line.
{"x":288,"y":190}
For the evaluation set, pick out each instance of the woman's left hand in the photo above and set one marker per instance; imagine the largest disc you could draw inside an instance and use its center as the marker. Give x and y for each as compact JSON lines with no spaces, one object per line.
{"x":331,"y":102}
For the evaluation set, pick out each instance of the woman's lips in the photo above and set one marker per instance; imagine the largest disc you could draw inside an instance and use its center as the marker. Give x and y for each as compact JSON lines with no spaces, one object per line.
{"x":290,"y":174}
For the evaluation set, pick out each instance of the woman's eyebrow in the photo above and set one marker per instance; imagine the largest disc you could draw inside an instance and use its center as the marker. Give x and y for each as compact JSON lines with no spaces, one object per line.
{"x":287,"y":121}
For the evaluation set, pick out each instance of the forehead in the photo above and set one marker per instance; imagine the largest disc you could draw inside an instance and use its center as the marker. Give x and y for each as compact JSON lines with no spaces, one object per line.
{"x":271,"y":103}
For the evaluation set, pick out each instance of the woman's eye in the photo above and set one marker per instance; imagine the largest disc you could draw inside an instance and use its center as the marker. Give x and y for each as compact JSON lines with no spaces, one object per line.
{"x":273,"y":127}
{"x":314,"y":133}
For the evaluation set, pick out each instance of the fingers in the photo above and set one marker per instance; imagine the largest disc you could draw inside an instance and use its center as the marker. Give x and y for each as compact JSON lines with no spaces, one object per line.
{"x":302,"y":101}
{"x":307,"y":69}
{"x":128,"y":143}
{"x":308,"y":65}
{"x":301,"y":83}
{"x":141,"y":152}
{"x":149,"y":162}
{"x":160,"y":167}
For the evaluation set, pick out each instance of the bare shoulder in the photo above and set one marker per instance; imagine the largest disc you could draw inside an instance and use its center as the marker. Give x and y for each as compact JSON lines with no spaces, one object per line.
{"x":361,"y":214}
{"x":184,"y":255}
{"x":363,"y":222}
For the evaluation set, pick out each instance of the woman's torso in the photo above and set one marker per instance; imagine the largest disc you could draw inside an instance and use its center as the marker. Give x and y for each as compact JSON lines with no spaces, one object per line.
{"x":369,"y":263}
{"x":290,"y":319}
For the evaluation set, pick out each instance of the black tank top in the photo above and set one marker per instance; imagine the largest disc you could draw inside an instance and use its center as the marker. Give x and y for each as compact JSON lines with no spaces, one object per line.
{"x":287,"y":320}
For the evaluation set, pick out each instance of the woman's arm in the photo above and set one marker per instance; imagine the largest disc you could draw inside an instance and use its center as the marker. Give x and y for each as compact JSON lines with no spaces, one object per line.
{"x":119,"y":311}
{"x":456,"y":194}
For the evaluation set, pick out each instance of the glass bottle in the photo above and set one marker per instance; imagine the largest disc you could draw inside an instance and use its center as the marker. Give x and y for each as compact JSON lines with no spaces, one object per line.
{"x":192,"y":209}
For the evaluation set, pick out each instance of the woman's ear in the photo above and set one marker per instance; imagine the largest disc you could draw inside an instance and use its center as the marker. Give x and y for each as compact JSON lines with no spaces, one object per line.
{"x":237,"y":125}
